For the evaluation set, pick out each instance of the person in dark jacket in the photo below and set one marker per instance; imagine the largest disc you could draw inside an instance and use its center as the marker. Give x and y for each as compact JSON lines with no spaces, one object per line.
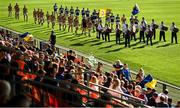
{"x":152,"y":100}
{"x":52,"y":38}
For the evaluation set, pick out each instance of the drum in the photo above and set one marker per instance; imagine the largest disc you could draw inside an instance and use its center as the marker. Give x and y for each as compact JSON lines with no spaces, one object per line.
{"x":165,"y":28}
{"x":155,"y":26}
{"x":176,"y":30}
{"x":134,"y":28}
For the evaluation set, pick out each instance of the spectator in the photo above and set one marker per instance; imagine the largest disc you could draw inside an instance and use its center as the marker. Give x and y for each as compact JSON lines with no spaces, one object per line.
{"x":165,"y":94}
{"x":170,"y":102}
{"x":162,"y":102}
{"x":5,"y":90}
{"x":178,"y":104}
{"x":152,"y":100}
{"x":122,"y":87}
{"x":129,"y":89}
{"x":106,"y":97}
{"x":73,"y":99}
{"x":126,"y":72}
{"x":116,"y":85}
{"x":107,"y":84}
{"x":20,"y":100}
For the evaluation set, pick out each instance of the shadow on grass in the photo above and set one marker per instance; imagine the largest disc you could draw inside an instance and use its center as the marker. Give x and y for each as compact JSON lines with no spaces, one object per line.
{"x":99,"y":43}
{"x":77,"y":44}
{"x":139,"y":47}
{"x":165,"y":45}
{"x":135,"y":44}
{"x":76,"y":38}
{"x":109,"y":46}
{"x":115,"y":50}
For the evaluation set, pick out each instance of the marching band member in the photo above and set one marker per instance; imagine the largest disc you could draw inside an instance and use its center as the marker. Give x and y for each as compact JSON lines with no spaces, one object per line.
{"x":112,"y":20}
{"x":117,"y":20}
{"x":107,"y":32}
{"x":174,"y":31}
{"x":127,"y":36}
{"x":48,"y":18}
{"x":149,"y":34}
{"x":162,"y":28}
{"x":118,"y":33}
{"x":154,"y":26}
{"x":142,"y":29}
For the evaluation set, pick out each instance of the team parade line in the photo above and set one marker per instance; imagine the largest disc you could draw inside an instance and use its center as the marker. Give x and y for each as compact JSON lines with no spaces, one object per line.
{"x":70,"y":19}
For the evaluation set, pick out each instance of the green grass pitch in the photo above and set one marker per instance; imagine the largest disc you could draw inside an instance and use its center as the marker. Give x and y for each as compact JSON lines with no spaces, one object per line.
{"x":162,"y":59}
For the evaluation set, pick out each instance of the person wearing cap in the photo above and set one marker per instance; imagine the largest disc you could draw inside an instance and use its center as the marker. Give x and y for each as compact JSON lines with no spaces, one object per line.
{"x":152,"y":100}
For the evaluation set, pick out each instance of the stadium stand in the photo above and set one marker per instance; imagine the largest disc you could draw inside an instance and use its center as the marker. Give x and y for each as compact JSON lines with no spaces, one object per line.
{"x":44,"y":77}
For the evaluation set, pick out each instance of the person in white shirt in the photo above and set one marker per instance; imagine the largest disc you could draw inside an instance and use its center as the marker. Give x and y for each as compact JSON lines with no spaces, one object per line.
{"x":164,"y":94}
{"x":116,"y":85}
{"x":142,"y":30}
{"x":173,"y":32}
{"x":162,"y":31}
{"x":124,"y":28}
{"x":99,"y":30}
{"x":153,"y":28}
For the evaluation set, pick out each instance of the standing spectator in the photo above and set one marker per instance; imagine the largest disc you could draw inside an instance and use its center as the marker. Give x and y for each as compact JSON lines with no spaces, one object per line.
{"x":52,"y":38}
{"x":126,"y":72}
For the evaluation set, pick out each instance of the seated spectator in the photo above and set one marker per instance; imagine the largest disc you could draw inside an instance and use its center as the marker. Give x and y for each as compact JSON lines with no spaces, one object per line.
{"x":40,"y":73}
{"x":5,"y":90}
{"x":165,"y":94}
{"x":95,"y":81}
{"x":122,"y":87}
{"x":106,"y":97}
{"x":129,"y":89}
{"x":99,"y":68}
{"x":162,"y":102}
{"x":115,"y":86}
{"x":107,"y":84}
{"x":73,"y":99}
{"x":20,"y":100}
{"x":170,"y":102}
{"x":152,"y":100}
{"x":178,"y":104}
{"x":138,"y":92}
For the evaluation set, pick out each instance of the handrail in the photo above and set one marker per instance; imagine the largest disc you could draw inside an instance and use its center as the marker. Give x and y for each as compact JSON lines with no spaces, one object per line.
{"x":126,"y":95}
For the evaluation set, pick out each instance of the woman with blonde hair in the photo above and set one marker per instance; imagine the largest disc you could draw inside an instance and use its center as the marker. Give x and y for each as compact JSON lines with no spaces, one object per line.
{"x":94,"y":86}
{"x":116,"y":85}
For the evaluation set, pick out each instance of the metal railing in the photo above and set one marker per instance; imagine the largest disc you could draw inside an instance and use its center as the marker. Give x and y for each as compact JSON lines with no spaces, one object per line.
{"x":161,"y":85}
